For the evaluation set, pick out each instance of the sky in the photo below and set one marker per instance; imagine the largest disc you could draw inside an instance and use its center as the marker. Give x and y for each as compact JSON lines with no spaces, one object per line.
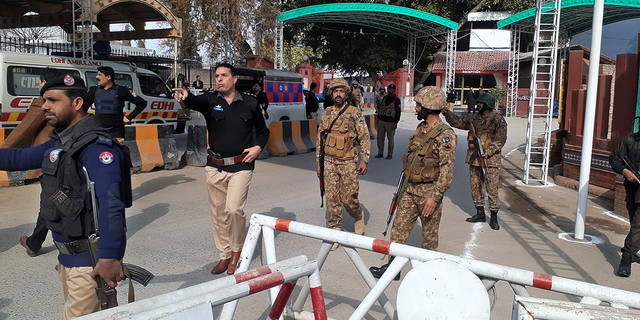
{"x":617,"y":38}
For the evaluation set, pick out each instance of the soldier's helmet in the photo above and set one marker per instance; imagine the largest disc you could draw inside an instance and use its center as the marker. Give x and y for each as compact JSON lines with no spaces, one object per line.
{"x":354,"y":82}
{"x":432,"y":98}
{"x":488,"y":99}
{"x":339,"y":83}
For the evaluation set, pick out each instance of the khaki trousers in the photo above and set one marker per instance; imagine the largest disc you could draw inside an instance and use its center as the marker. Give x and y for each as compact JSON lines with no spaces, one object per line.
{"x":79,"y":291}
{"x":227,"y":197}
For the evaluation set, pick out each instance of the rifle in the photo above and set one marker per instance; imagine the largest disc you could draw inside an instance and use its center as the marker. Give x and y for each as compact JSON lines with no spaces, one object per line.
{"x":394,"y":201}
{"x":627,"y":163}
{"x":479,"y":153}
{"x":107,"y":296}
{"x":323,"y":136}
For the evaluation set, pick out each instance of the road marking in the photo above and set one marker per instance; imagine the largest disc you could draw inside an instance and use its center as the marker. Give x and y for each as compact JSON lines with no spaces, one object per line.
{"x":590,"y":240}
{"x":514,"y":150}
{"x":610,"y":214}
{"x":471,"y":243}
{"x":522,"y":184}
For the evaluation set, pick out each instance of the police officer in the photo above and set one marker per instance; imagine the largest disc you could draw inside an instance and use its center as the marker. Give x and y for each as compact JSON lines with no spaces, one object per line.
{"x":231,"y":119}
{"x":388,"y":117}
{"x":629,"y":149}
{"x":491,"y":129}
{"x":263,"y":100}
{"x":345,"y":130}
{"x":108,"y":99}
{"x":78,"y":142}
{"x":428,"y":171}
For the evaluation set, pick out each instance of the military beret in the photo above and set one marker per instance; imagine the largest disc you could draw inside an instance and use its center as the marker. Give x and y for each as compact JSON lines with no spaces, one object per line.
{"x":66,"y":82}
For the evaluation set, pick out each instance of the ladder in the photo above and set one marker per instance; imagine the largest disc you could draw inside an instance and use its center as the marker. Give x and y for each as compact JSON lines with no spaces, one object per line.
{"x":543,"y":80}
{"x":82,"y":28}
{"x":512,"y":77}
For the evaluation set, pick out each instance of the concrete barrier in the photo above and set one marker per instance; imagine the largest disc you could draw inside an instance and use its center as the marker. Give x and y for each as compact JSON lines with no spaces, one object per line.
{"x":372,"y":120}
{"x":10,"y":178}
{"x":292,"y":137}
{"x":197,"y":144}
{"x":151,"y":146}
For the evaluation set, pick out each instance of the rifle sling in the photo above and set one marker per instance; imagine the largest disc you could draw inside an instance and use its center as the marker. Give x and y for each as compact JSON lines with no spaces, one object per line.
{"x":432,"y":133}
{"x":339,"y":114}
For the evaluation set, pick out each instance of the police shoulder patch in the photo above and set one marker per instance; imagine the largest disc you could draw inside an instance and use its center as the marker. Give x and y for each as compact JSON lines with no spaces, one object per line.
{"x":106,"y":157}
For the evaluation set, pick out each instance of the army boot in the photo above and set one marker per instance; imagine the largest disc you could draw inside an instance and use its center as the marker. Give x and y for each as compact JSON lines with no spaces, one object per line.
{"x":624,"y":270}
{"x":479,"y":217}
{"x":336,"y":245}
{"x":493,"y":223}
{"x":359,"y":226}
{"x":377,"y":272}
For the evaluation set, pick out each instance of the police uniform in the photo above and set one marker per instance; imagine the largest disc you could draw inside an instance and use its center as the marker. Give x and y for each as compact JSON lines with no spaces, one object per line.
{"x":629,"y":147}
{"x":230,"y":128}
{"x":109,"y":106}
{"x":65,"y":202}
{"x":430,"y":176}
{"x":492,"y":132}
{"x":341,"y":155}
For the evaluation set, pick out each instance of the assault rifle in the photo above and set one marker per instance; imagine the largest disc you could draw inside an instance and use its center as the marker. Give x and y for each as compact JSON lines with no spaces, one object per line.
{"x":394,"y":202}
{"x":107,"y":296}
{"x":479,"y":153}
{"x":627,"y":163}
{"x":323,"y":137}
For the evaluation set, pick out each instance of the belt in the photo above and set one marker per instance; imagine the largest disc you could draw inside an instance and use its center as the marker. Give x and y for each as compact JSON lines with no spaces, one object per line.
{"x":227,"y":161}
{"x":72,"y":248}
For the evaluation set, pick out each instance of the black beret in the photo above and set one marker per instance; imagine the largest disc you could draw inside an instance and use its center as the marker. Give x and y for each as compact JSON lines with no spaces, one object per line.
{"x":66,"y":82}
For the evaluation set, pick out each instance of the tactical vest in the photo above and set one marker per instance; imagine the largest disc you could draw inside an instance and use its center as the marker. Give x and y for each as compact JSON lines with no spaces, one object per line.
{"x":387,"y":110}
{"x":106,"y":101}
{"x":421,"y":150}
{"x":340,"y":142}
{"x":65,"y":201}
{"x":484,"y":127}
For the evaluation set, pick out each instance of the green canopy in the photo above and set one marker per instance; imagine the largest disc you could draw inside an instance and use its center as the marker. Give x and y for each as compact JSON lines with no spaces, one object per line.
{"x":576,"y":16}
{"x":401,"y":21}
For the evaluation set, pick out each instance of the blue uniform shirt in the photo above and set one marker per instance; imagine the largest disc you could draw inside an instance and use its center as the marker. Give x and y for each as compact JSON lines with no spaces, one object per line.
{"x":102,"y":160}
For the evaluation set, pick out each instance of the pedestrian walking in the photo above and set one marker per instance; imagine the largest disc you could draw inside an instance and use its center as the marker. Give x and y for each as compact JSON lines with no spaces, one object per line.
{"x":491,"y":130}
{"x":232,"y":118}
{"x":388,"y":117}
{"x":78,"y":143}
{"x":108,"y":99}
{"x":342,"y":130}
{"x":629,"y":150}
{"x":428,"y":171}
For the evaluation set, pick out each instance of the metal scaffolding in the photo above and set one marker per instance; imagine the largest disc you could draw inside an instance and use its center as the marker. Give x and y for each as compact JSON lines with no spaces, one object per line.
{"x":514,"y":69}
{"x":82,"y":28}
{"x":279,"y":47}
{"x":543,"y":83}
{"x":450,"y":73}
{"x":411,"y":50}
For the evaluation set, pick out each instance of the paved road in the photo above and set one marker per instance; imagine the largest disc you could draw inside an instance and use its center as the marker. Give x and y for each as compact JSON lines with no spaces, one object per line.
{"x":170,"y":233}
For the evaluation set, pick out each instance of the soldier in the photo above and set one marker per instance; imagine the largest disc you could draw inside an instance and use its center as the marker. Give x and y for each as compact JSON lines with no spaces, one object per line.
{"x":357,"y":92}
{"x":379,"y":98}
{"x":344,"y":129}
{"x":629,"y":149}
{"x":388,"y":117}
{"x":428,"y":169}
{"x":491,"y":129}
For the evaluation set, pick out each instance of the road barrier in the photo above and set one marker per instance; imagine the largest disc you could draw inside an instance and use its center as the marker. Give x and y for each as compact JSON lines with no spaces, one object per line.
{"x":292,"y":137}
{"x":195,"y":302}
{"x":489,"y":273}
{"x":10,"y":178}
{"x":197,"y":144}
{"x":151,"y":146}
{"x":372,"y":121}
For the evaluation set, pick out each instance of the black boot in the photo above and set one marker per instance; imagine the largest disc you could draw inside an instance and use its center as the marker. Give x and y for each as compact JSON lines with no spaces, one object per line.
{"x":479,"y":217}
{"x":377,"y":272}
{"x":493,"y":223}
{"x":625,"y":265}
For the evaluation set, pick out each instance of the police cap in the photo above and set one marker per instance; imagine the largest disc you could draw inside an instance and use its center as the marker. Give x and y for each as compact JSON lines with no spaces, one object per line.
{"x":65,"y":82}
{"x":391,"y":86}
{"x":431,"y":98}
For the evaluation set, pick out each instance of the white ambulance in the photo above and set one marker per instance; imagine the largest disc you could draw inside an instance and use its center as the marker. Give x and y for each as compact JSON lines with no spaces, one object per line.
{"x":20,"y":75}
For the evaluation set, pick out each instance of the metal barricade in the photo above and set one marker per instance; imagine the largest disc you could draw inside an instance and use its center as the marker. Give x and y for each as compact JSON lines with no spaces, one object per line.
{"x":196,"y":302}
{"x":489,"y":273}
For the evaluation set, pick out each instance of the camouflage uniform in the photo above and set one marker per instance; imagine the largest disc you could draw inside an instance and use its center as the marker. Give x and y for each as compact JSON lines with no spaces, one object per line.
{"x":443,"y":150}
{"x":379,"y":100}
{"x":358,"y":94}
{"x":340,"y":176}
{"x":492,"y":131}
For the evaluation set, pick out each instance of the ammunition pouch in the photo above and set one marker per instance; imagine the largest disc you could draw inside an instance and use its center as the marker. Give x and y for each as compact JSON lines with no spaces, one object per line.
{"x":340,"y":145}
{"x":425,"y":169}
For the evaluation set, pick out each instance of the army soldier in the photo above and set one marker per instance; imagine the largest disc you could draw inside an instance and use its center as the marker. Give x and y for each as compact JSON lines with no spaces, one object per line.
{"x":388,"y":117}
{"x":357,"y":92}
{"x":379,"y":98}
{"x":428,"y":170}
{"x":629,"y":150}
{"x":491,"y":129}
{"x":342,"y":130}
